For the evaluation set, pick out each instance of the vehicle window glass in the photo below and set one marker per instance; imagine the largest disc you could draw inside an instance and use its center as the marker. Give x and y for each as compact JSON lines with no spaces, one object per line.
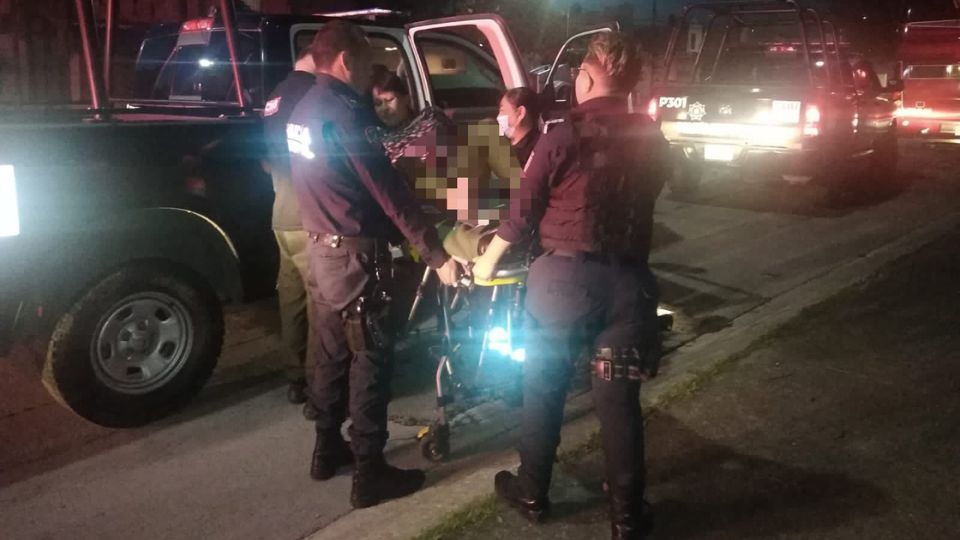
{"x":462,"y":71}
{"x":154,"y":54}
{"x":386,"y":52}
{"x":865,"y":78}
{"x":748,"y":49}
{"x":940,"y":71}
{"x":202,"y":72}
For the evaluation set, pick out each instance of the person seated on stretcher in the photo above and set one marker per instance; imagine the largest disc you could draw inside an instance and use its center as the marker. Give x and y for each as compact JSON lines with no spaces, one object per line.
{"x":463,"y":172}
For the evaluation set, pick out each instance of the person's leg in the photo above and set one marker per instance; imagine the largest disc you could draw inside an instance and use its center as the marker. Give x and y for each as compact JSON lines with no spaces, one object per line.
{"x":371,"y":374}
{"x":558,"y":310}
{"x":546,"y":376}
{"x":631,"y":327}
{"x":297,"y":240}
{"x":332,"y":358}
{"x":292,"y":300}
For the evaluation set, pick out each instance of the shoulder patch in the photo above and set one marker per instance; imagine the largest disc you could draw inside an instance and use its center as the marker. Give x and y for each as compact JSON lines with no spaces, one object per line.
{"x":272,"y":107}
{"x":550,"y":124}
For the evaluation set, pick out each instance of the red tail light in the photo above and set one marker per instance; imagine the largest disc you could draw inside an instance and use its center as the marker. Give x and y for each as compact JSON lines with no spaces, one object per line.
{"x":197,"y":25}
{"x":811,"y":120}
{"x":653,"y":109}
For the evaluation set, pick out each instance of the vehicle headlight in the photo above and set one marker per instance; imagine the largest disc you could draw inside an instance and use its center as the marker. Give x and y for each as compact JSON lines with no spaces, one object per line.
{"x":9,"y":209}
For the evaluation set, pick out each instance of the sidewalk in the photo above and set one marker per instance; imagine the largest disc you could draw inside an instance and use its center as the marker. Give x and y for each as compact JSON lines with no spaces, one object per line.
{"x":842,"y":424}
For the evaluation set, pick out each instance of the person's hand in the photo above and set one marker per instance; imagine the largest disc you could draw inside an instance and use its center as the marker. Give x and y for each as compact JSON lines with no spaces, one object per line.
{"x":449,"y":272}
{"x":484,"y":266}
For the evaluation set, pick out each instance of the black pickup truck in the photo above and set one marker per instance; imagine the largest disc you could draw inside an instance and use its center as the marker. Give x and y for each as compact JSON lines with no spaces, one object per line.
{"x":126,"y":224}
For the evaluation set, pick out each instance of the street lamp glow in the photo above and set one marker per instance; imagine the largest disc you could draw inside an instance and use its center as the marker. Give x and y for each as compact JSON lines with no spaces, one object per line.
{"x":205,"y":62}
{"x":9,"y":209}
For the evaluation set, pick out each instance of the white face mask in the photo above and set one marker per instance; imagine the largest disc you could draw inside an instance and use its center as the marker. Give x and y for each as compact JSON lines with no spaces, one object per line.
{"x":506,"y":130}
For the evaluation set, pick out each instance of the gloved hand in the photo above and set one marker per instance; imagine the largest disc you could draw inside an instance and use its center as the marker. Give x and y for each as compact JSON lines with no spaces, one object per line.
{"x":485,"y":265}
{"x":449,"y":272}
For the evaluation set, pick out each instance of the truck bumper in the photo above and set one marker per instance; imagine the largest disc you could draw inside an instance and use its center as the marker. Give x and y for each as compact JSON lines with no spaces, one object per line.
{"x":756,"y":160}
{"x":930,"y":129}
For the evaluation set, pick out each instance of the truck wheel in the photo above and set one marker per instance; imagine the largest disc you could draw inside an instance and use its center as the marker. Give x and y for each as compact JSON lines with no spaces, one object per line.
{"x":686,"y":179}
{"x":136,"y":346}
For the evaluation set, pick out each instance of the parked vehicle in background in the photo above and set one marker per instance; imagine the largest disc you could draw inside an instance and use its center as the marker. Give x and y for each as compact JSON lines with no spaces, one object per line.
{"x":929,"y":59}
{"x":772,"y":90}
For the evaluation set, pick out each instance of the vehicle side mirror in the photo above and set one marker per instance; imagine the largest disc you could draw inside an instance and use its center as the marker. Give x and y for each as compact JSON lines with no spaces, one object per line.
{"x":894,"y":85}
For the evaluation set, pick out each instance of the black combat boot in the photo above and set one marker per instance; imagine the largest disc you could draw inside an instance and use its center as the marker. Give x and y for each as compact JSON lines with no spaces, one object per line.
{"x":374,"y":481}
{"x":329,"y":454}
{"x":630,"y":518}
{"x":508,"y":488}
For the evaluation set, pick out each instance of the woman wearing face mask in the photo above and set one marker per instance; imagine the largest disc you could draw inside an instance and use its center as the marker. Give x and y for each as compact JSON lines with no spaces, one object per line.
{"x":519,"y":121}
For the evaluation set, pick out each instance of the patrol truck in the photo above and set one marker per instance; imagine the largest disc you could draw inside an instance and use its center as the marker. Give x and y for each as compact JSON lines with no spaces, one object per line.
{"x":771,"y":91}
{"x":126,"y":225}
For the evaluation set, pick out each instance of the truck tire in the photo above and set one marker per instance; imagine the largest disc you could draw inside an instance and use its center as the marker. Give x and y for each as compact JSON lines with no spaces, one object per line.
{"x":137,"y":345}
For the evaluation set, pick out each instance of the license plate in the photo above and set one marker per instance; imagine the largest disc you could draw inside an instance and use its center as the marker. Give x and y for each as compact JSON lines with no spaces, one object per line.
{"x":719,"y":152}
{"x":952,"y":127}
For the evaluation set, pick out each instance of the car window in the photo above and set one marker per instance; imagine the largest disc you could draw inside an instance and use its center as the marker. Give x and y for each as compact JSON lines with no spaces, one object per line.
{"x":461,"y":70}
{"x":936,"y":71}
{"x":748,"y":49}
{"x":202,"y":72}
{"x":386,"y":52}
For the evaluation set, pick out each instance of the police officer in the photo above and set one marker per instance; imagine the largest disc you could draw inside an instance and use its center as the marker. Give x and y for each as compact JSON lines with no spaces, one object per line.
{"x":288,"y":227}
{"x":589,"y":191}
{"x":353,"y":203}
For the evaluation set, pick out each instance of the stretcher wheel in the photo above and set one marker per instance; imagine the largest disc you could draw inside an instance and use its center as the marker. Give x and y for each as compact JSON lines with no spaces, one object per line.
{"x":435,"y":443}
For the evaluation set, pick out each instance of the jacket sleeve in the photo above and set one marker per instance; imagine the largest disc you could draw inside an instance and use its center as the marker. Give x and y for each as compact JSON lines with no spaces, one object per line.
{"x":390,"y":190}
{"x":528,"y":204}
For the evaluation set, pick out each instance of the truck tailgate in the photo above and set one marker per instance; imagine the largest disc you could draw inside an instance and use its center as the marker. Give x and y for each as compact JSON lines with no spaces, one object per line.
{"x":743,"y":115}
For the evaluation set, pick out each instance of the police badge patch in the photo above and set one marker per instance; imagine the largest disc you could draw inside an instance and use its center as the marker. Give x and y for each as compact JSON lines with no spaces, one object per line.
{"x":272,"y":107}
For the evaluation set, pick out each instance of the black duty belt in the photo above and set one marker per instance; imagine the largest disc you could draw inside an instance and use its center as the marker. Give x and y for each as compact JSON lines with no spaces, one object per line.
{"x":354,"y":243}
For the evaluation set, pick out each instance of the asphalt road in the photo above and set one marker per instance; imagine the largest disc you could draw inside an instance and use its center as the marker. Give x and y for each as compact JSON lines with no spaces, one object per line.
{"x":234,"y":464}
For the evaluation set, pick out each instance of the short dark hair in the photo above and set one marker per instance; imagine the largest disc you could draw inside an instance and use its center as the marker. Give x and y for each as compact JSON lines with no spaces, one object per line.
{"x":618,"y":58}
{"x":334,"y":38}
{"x":526,"y":98}
{"x":387,"y":81}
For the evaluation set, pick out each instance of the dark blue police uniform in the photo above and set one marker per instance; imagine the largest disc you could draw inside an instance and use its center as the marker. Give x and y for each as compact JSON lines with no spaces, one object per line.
{"x":353,"y":202}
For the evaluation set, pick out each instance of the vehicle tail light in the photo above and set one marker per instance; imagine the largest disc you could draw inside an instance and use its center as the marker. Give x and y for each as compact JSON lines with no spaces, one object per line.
{"x":197,"y":25}
{"x":811,"y":120}
{"x":653,"y":109}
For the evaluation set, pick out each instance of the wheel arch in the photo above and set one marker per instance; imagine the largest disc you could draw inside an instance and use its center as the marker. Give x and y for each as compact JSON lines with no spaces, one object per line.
{"x":180,"y":238}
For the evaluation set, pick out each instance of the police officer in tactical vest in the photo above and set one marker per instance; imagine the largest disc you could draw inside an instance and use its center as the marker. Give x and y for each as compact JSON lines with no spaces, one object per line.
{"x":353,"y":204}
{"x":588,"y":190}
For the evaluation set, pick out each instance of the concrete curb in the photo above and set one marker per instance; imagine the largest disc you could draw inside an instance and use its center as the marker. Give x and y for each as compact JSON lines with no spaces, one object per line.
{"x":685,"y":367}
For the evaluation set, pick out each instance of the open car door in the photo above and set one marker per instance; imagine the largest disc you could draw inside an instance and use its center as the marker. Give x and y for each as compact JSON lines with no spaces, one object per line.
{"x":557,"y":90}
{"x":466,"y":63}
